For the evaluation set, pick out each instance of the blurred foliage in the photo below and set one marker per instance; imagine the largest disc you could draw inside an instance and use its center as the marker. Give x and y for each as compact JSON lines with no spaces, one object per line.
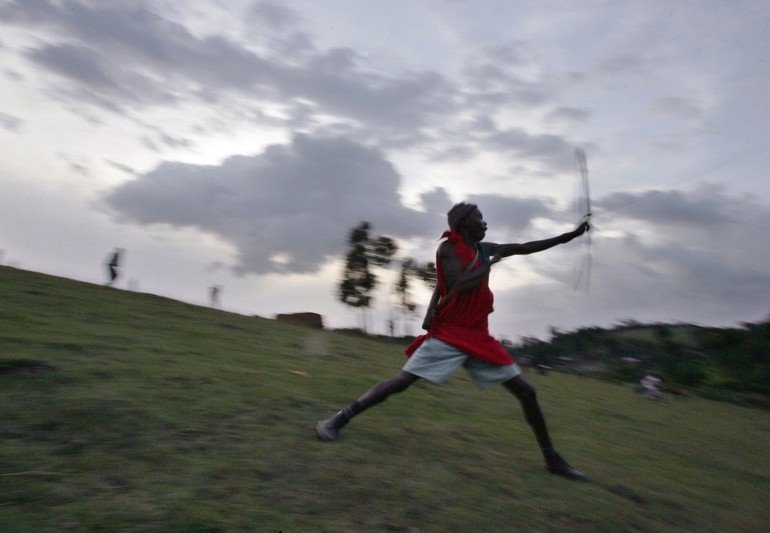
{"x":358,"y":280}
{"x":728,"y":363}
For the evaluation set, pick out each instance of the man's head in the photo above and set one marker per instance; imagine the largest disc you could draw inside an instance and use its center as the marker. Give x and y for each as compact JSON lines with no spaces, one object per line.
{"x":466,"y":218}
{"x":459,"y":212}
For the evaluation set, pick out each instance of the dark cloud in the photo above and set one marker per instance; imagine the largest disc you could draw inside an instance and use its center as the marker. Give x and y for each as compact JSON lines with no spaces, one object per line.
{"x":77,"y":62}
{"x":463,"y":140}
{"x":461,"y":152}
{"x":274,"y":15}
{"x":98,"y":80}
{"x":123,"y":56}
{"x":510,"y":54}
{"x":553,"y":150}
{"x":10,"y":122}
{"x":175,"y":142}
{"x":27,"y":12}
{"x":507,"y":214}
{"x":570,"y":113}
{"x":706,"y":207}
{"x":13,"y":75}
{"x":691,"y":270}
{"x":634,"y":65}
{"x":496,"y":69}
{"x":296,"y":202}
{"x":122,"y":167}
{"x":504,"y":214}
{"x":151,"y":58}
{"x":678,"y":107}
{"x":707,"y":275}
{"x":697,"y":255}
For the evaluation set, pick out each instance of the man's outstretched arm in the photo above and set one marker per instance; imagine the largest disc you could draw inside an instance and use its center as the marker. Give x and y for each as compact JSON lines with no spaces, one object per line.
{"x":506,"y":250}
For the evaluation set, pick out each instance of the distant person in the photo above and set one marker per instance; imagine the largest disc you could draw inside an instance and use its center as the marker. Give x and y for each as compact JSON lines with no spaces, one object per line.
{"x":650,"y":386}
{"x":214,"y":295}
{"x":458,"y":333}
{"x":113,"y":265}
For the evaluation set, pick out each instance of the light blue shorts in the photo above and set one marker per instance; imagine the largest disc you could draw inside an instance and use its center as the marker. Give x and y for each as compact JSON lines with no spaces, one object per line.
{"x":435,"y":360}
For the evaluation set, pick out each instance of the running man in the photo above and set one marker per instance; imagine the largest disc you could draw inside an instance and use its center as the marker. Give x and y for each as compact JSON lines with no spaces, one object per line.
{"x":458,"y":333}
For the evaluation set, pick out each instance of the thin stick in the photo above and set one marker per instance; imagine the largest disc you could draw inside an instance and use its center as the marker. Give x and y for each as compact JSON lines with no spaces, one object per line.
{"x":583,"y":273}
{"x":29,"y":473}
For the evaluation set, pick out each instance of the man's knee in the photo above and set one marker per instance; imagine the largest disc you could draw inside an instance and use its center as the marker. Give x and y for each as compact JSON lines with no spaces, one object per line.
{"x":402,"y":381}
{"x":521,"y":389}
{"x":529,"y":393}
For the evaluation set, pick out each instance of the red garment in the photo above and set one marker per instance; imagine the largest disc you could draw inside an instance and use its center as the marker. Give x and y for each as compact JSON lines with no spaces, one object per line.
{"x":463,"y":321}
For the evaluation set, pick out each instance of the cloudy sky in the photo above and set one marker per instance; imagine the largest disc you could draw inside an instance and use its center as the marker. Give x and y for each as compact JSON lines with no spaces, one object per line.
{"x":236,"y":142}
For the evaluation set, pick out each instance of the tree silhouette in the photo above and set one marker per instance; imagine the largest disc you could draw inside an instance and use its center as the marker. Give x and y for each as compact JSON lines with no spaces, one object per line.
{"x":358,"y":280}
{"x":410,"y":269}
{"x":402,"y":286}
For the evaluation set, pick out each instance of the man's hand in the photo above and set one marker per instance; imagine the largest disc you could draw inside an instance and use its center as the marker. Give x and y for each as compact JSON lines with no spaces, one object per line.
{"x":582,"y":228}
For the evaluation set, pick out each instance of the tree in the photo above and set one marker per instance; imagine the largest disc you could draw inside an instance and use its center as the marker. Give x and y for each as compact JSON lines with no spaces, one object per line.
{"x":381,"y":250}
{"x":358,"y":280}
{"x":427,"y":273}
{"x":410,"y":269}
{"x":402,"y":286}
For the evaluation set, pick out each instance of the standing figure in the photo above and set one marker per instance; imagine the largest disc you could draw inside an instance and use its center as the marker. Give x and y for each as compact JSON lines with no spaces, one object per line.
{"x":650,"y":386}
{"x":113,"y":263}
{"x":214,"y":295}
{"x":458,"y":333}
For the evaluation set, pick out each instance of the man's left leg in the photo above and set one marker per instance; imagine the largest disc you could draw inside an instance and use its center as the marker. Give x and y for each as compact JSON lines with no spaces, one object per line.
{"x":329,"y":429}
{"x":527,"y":396}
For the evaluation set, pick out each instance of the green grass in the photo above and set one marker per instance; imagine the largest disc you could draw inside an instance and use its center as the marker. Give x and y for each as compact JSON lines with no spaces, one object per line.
{"x":147,"y":414}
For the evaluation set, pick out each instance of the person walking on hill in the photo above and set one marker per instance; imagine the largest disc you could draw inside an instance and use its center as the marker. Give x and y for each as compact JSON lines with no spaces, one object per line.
{"x":113,"y":263}
{"x":458,"y":333}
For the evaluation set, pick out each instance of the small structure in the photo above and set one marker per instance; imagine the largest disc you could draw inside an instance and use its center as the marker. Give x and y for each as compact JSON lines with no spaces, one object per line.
{"x":310,"y":320}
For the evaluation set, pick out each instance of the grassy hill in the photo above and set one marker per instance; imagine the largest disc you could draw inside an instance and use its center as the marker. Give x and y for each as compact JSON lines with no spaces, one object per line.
{"x":128,"y":411}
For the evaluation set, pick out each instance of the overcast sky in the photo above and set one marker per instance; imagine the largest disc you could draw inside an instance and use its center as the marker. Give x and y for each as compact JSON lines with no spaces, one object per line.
{"x":237,"y":142}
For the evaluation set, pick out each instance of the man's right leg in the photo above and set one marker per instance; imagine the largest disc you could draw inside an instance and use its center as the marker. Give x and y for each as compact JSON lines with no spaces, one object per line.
{"x":328,"y":429}
{"x":528,"y":399}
